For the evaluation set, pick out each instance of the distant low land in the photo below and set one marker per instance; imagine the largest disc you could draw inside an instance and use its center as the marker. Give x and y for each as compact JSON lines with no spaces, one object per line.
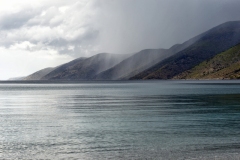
{"x":214,"y":54}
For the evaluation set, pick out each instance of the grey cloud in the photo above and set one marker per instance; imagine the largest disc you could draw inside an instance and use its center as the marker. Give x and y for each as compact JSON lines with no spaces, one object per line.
{"x":64,"y":32}
{"x":16,"y":20}
{"x":62,"y":45}
{"x":48,"y":17}
{"x":58,"y":42}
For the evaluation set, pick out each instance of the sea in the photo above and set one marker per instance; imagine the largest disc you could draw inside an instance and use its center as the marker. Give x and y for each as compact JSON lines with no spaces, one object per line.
{"x":94,"y":120}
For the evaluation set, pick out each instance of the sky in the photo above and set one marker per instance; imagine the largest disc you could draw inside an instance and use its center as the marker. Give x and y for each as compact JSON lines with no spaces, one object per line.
{"x":35,"y":34}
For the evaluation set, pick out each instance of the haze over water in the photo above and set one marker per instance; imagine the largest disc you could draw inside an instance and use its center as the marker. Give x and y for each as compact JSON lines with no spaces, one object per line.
{"x":120,"y":120}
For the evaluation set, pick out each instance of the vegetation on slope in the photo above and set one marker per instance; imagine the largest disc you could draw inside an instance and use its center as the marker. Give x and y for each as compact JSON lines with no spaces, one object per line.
{"x":225,"y":65}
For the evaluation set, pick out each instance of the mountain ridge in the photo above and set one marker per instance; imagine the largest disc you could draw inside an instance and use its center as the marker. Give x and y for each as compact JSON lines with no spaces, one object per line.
{"x":172,"y":63}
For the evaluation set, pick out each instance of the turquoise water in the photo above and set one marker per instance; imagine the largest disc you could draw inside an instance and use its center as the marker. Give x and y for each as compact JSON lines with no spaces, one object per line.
{"x":120,"y":120}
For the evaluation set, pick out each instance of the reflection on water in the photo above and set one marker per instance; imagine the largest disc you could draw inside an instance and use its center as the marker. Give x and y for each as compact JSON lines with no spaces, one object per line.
{"x":121,"y":120}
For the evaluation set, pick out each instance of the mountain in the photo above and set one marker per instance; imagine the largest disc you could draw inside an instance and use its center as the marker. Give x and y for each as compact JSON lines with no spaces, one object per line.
{"x":225,"y":65}
{"x":39,"y":74}
{"x":212,"y":42}
{"x":85,"y":68}
{"x":141,"y":61}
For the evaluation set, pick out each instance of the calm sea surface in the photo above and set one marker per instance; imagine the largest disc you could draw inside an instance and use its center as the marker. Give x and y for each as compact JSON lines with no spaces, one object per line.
{"x":120,"y":120}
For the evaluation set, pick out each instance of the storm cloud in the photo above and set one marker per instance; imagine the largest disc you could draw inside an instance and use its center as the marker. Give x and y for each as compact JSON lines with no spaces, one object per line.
{"x":68,"y":29}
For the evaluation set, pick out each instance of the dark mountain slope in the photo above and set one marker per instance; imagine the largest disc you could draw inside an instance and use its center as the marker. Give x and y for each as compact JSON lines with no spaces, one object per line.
{"x":85,"y":68}
{"x":225,"y":65}
{"x":141,"y":61}
{"x":211,"y":43}
{"x":39,"y":74}
{"x":63,"y":67}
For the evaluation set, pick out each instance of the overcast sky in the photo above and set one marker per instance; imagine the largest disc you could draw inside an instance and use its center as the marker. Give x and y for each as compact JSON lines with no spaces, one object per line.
{"x":35,"y":34}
